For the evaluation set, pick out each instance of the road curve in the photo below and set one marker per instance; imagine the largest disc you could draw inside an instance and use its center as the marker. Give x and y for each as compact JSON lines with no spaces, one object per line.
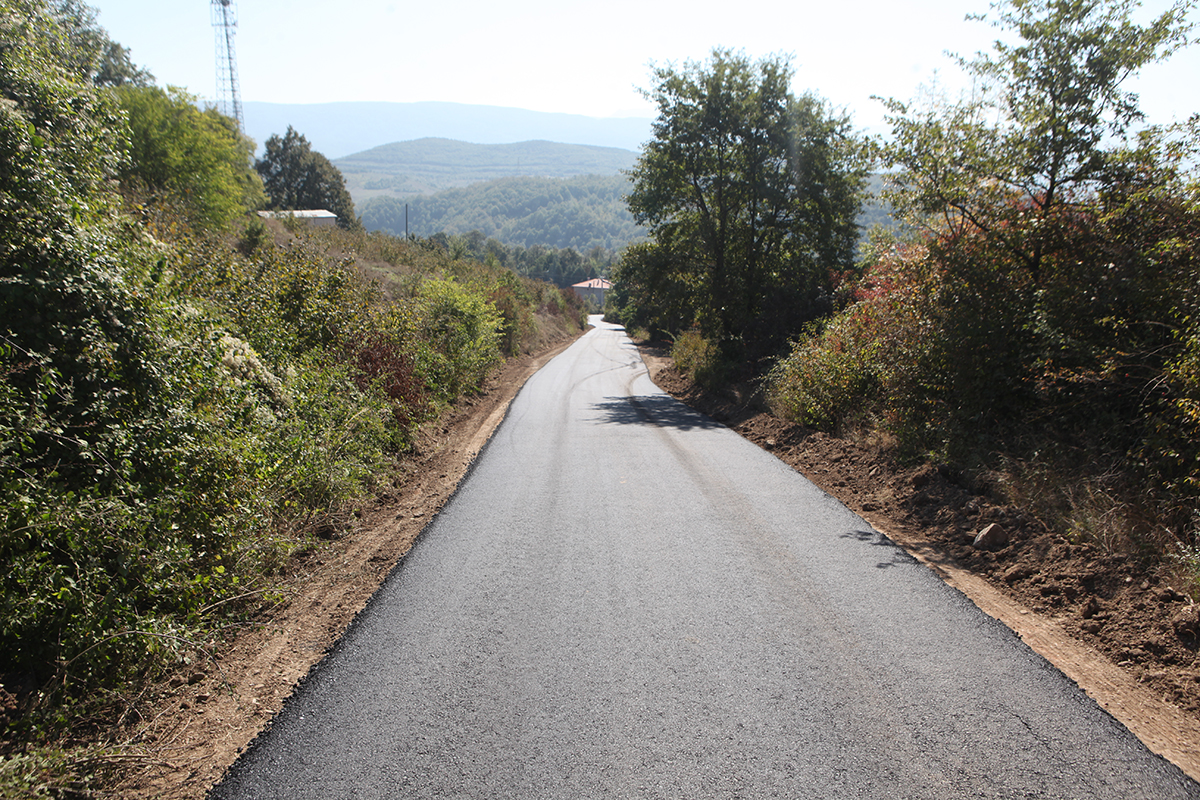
{"x":627,"y":600}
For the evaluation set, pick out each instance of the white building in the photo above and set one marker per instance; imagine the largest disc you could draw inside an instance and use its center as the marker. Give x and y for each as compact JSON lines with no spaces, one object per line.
{"x":318,"y":217}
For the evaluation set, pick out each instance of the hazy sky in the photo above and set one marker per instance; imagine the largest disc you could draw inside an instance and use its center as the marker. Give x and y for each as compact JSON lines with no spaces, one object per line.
{"x":550,"y":55}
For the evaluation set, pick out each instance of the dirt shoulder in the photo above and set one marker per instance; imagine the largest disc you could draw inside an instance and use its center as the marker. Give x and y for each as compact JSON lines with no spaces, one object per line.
{"x":185,"y":739}
{"x":1128,"y":638}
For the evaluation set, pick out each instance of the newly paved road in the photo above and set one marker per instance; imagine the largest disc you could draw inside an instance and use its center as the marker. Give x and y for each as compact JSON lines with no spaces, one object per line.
{"x":626,"y":600}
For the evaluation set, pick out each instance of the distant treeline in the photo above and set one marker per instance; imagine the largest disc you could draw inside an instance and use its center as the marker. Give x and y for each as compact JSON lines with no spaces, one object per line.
{"x":579,"y":213}
{"x":435,"y":165}
{"x":562,"y":266}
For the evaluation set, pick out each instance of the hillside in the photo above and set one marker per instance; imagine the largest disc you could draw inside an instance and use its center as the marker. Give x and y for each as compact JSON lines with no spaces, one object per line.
{"x":581,"y":212}
{"x":425,"y":166}
{"x":338,"y":129}
{"x":522,"y":194}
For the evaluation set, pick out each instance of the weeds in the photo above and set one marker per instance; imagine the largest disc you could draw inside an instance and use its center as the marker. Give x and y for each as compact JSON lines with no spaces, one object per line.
{"x":699,"y":359}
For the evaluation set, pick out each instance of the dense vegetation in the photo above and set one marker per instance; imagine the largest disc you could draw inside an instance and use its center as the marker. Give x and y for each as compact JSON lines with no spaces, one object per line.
{"x":750,"y":196}
{"x":192,"y":156}
{"x":579,"y":213}
{"x":1040,"y":330}
{"x":560,"y":266}
{"x":184,"y":403}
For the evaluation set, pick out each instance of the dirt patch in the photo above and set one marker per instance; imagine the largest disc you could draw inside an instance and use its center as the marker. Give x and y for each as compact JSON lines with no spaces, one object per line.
{"x":189,"y":731}
{"x":1128,"y":638}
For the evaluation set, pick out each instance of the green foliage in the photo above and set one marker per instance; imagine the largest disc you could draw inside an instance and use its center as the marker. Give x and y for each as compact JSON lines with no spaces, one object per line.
{"x":879,"y":361}
{"x":89,"y":52}
{"x":750,"y":196}
{"x":297,"y":177}
{"x":562,"y":267}
{"x":514,"y":305}
{"x":197,"y":158}
{"x":51,"y":772}
{"x":1045,"y":317}
{"x":177,"y":417}
{"x":648,"y":292}
{"x":1037,"y":127}
{"x":461,"y":333}
{"x":62,"y":139}
{"x":579,"y":212}
{"x":699,"y":359}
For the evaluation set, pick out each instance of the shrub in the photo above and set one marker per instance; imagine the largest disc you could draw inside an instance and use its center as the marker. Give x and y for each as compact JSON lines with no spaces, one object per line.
{"x":878,"y":361}
{"x":699,"y":359}
{"x":384,"y":365}
{"x":513,"y":304}
{"x":460,"y":336}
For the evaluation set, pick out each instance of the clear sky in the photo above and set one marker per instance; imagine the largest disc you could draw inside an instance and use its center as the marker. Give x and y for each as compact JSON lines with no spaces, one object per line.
{"x":578,"y":58}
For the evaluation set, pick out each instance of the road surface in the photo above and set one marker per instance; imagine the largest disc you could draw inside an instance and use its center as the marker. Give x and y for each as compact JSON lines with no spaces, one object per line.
{"x":627,"y":600}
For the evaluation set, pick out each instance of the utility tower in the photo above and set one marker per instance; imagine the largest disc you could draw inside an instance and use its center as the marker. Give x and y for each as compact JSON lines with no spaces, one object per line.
{"x":229,"y":94}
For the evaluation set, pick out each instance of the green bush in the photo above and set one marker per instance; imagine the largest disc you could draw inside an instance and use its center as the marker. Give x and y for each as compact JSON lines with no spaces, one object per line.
{"x":459,"y":331}
{"x":513,"y":303}
{"x":878,"y":362}
{"x":196,"y":158}
{"x":699,"y":359}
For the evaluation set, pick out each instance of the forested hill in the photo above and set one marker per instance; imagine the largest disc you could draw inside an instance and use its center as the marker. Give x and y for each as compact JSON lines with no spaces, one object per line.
{"x":523,"y":194}
{"x":581,"y":212}
{"x":423,"y":166}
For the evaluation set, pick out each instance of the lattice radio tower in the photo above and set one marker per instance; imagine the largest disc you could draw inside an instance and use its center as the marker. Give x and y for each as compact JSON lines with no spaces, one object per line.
{"x":229,"y":94}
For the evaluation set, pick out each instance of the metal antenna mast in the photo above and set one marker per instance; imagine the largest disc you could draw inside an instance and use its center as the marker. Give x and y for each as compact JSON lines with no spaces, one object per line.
{"x":229,"y":94}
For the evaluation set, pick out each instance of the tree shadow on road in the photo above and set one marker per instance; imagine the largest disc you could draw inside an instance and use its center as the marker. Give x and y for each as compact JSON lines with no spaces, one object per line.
{"x":899,"y":557}
{"x":660,"y":410}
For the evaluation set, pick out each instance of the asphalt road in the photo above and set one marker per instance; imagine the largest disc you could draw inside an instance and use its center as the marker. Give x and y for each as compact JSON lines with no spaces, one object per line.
{"x":627,"y":600}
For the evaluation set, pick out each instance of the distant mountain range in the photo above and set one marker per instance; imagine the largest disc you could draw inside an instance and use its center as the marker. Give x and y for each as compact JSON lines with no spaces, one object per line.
{"x":524,"y":193}
{"x":339,"y":129}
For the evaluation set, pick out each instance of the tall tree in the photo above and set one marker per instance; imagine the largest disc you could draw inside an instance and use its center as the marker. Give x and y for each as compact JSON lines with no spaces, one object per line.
{"x":197,"y":157}
{"x":749,"y":195}
{"x":297,"y":177}
{"x":90,"y":52}
{"x":1046,"y":105}
{"x":1025,"y":193}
